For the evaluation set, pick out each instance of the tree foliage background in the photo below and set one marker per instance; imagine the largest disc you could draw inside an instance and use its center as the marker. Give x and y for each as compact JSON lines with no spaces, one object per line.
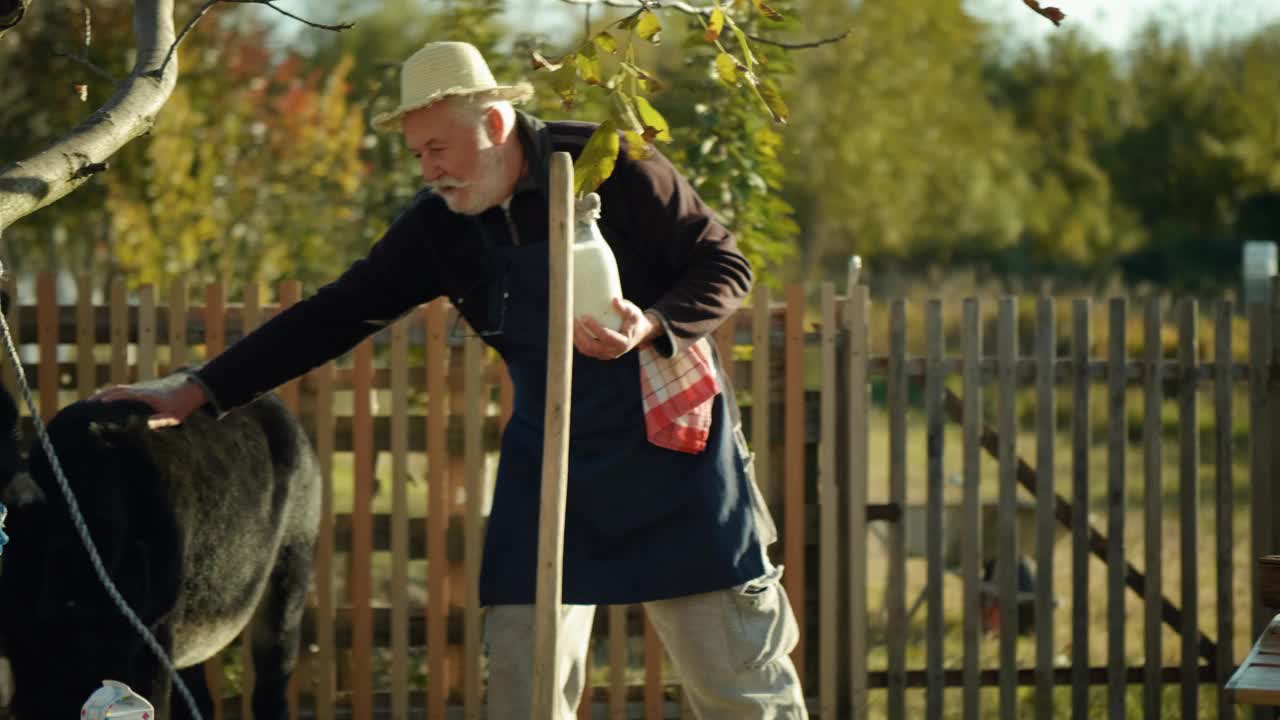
{"x":922,"y":141}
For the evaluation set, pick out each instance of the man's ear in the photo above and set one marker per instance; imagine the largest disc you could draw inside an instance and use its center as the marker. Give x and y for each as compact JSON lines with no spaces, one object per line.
{"x":495,"y":124}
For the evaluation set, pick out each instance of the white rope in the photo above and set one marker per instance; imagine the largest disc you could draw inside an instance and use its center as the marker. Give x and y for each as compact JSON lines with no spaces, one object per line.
{"x":82,"y":529}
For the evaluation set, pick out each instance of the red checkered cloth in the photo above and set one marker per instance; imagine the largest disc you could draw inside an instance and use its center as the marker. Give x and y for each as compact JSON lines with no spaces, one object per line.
{"x":677,"y":396}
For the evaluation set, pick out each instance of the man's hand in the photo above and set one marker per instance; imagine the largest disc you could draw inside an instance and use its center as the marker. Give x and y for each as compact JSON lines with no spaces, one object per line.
{"x":594,"y":340}
{"x":172,"y":402}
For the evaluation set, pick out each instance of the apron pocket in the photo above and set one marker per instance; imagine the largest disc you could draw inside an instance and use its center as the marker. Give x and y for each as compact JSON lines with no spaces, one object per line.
{"x":759,"y":622}
{"x":766,"y":529}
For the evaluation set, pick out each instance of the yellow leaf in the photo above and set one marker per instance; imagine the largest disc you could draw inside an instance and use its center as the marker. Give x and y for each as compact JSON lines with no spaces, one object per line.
{"x":605,"y":42}
{"x":715,"y":24}
{"x":597,"y":160}
{"x":637,"y":147}
{"x":655,"y":126}
{"x":649,"y":26}
{"x":727,"y":68}
{"x":589,"y":66}
{"x":767,"y":11}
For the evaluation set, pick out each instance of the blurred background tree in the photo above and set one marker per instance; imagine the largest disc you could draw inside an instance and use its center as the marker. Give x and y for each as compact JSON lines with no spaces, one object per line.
{"x":925,"y":141}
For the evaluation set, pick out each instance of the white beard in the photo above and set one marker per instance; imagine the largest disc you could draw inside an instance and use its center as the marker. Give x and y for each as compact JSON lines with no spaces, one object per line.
{"x":487,"y":189}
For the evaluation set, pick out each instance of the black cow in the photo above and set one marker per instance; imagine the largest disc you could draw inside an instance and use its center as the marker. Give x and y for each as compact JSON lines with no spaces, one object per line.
{"x":200,"y":526}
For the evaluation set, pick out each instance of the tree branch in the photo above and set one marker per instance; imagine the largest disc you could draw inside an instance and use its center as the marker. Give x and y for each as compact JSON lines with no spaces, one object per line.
{"x":87,"y":64}
{"x":173,"y":48}
{"x":695,"y":10}
{"x":271,"y":4}
{"x":28,"y":185}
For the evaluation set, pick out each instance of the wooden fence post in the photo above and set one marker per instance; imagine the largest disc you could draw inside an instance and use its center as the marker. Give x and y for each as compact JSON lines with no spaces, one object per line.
{"x":555,"y":454}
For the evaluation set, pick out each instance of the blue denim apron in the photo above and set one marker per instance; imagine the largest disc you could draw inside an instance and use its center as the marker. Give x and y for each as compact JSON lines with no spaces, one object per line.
{"x":642,"y":522}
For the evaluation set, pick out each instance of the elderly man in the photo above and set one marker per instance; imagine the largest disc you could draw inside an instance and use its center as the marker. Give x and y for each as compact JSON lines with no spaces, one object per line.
{"x":668,"y":519}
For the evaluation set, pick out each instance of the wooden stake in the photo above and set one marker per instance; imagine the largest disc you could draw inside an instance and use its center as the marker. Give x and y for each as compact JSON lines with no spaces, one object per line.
{"x":555,"y":448}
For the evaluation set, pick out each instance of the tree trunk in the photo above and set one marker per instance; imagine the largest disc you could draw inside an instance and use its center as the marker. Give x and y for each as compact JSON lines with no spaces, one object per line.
{"x":28,"y":185}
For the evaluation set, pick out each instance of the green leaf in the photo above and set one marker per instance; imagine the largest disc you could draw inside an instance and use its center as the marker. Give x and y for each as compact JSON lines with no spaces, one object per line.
{"x":727,"y":68}
{"x":715,"y":23}
{"x":648,"y":26}
{"x":647,"y":81}
{"x":624,"y":115}
{"x":767,"y":11}
{"x":597,"y":160}
{"x":637,"y":147}
{"x":565,"y":82}
{"x":588,"y":65}
{"x":605,"y":42}
{"x":773,"y":100}
{"x":742,"y":42}
{"x":655,"y":126}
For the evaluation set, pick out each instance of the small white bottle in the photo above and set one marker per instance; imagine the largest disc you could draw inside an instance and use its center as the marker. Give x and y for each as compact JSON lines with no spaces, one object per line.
{"x":595,"y":270}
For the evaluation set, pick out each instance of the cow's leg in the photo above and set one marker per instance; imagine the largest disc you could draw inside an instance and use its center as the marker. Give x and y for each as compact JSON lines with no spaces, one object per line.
{"x":277,"y":630}
{"x":157,"y":686}
{"x":193,"y":678}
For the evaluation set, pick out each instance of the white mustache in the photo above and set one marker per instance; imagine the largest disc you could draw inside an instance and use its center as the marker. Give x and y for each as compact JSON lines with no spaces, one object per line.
{"x":447,"y":184}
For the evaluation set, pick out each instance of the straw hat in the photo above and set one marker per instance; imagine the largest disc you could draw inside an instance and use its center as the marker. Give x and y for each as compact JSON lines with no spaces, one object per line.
{"x":446,"y":69}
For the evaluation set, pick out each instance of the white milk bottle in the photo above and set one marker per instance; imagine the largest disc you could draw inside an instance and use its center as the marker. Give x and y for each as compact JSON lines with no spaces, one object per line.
{"x":595,"y":270}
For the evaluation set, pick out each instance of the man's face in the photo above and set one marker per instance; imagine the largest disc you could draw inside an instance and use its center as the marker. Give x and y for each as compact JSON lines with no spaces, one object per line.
{"x":457,"y":155}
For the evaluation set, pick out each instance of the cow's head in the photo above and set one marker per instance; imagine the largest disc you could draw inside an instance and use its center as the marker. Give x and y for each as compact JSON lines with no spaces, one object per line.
{"x":57,"y":618}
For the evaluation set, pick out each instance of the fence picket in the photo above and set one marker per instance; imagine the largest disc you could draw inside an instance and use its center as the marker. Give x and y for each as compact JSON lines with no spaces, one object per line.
{"x":1153,"y":490}
{"x":933,"y":539}
{"x":86,"y":342}
{"x":1260,"y":442}
{"x":146,"y":359}
{"x":896,"y":397}
{"x":1189,"y":509}
{"x":859,"y":401}
{"x":1046,"y":522}
{"x":177,"y":323}
{"x":47,"y":341}
{"x":1006,"y":524}
{"x":120,"y":329}
{"x":476,"y":409}
{"x":1116,"y":438}
{"x":361,"y":581}
{"x":437,"y":512}
{"x":971,"y":554}
{"x":1223,"y":491}
{"x":793,"y":504}
{"x":828,"y":508}
{"x":653,"y":705}
{"x":1080,"y":442}
{"x":400,"y":521}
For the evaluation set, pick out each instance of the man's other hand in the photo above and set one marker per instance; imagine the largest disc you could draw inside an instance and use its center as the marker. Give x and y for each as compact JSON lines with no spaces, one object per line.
{"x":595,"y":340}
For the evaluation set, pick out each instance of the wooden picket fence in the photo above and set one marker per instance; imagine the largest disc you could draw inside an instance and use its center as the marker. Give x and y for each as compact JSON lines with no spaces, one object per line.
{"x":374,"y":654}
